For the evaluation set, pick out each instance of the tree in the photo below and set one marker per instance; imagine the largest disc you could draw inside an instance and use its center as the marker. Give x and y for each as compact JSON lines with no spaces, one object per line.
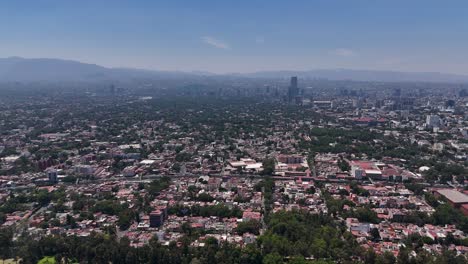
{"x":205,"y":197}
{"x":343,"y":192}
{"x":343,"y":165}
{"x":272,"y":258}
{"x":6,"y":242}
{"x":251,"y":226}
{"x":386,"y":258}
{"x":126,"y":218}
{"x":375,"y":234}
{"x":370,"y":256}
{"x":2,"y":218}
{"x":268,"y":166}
{"x":311,"y":190}
{"x":365,"y":214}
{"x":431,"y":200}
{"x":156,"y":186}
{"x":71,"y":221}
{"x":403,"y":256}
{"x":43,"y":197}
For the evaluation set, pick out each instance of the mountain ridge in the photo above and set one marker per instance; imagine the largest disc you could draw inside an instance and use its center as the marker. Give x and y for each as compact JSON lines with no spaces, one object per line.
{"x":57,"y":70}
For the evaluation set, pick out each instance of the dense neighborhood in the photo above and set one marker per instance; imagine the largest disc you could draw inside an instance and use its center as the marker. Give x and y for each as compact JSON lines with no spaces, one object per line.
{"x":369,"y":175}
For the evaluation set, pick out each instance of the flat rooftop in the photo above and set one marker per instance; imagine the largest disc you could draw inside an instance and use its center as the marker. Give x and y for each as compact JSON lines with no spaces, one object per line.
{"x":454,"y":196}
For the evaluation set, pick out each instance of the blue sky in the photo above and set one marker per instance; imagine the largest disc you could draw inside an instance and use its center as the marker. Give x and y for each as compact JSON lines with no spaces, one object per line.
{"x":241,"y":35}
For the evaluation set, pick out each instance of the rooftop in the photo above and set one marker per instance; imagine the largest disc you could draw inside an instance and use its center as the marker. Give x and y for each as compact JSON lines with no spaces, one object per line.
{"x":454,"y":196}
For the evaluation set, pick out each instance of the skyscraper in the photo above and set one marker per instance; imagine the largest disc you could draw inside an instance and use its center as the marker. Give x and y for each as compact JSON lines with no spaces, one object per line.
{"x":294,"y":82}
{"x":293,"y":90}
{"x":112,"y":89}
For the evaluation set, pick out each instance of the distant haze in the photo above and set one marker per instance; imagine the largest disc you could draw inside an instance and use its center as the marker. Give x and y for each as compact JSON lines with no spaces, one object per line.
{"x":16,"y":69}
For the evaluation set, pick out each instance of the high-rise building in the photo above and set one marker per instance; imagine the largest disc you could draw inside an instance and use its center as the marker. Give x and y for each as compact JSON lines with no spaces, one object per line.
{"x":463,"y":93}
{"x":294,"y":82}
{"x":397,"y":92}
{"x":293,"y":90}
{"x":432,"y":121}
{"x":156,"y":218}
{"x":52,"y":175}
{"x":112,"y":89}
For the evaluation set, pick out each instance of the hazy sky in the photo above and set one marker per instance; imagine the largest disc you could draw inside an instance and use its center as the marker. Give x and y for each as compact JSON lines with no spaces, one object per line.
{"x":241,"y":35}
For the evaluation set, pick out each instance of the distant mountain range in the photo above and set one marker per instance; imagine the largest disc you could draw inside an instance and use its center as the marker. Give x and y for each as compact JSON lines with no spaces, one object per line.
{"x":16,"y":69}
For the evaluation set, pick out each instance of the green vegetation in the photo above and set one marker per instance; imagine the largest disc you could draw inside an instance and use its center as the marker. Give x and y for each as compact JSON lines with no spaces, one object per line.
{"x":47,"y":260}
{"x":268,"y":187}
{"x":335,"y":206}
{"x":110,"y":207}
{"x":268,"y":166}
{"x":156,"y":186}
{"x":204,"y":197}
{"x":358,"y":190}
{"x":446,"y":214}
{"x":343,"y":165}
{"x":340,"y":140}
{"x":251,"y":226}
{"x":290,"y":234}
{"x":302,"y":234}
{"x":20,"y":201}
{"x":444,"y":172}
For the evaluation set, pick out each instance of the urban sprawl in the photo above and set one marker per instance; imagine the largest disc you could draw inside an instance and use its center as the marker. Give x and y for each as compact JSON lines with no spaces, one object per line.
{"x":298,"y":170}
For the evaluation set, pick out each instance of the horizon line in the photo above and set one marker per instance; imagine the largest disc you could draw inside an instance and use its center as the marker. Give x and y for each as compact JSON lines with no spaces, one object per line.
{"x":233,"y":72}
